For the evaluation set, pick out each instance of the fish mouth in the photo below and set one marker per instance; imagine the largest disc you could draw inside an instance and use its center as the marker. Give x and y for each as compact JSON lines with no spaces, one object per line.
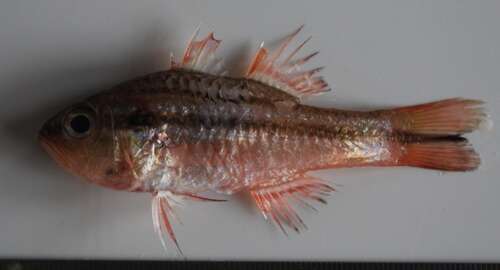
{"x":46,"y":140}
{"x":51,"y":149}
{"x":48,"y":146}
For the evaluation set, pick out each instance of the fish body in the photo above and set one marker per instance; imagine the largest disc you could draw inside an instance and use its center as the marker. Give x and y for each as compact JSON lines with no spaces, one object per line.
{"x":195,"y":132}
{"x":188,"y":130}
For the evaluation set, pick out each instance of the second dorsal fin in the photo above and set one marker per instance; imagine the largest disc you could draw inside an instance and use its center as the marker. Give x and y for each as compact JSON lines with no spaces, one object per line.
{"x":199,"y":55}
{"x":286,"y":73}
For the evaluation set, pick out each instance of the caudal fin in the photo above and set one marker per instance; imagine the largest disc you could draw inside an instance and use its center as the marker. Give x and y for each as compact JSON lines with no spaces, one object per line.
{"x":435,"y":129}
{"x":442,"y":118}
{"x":447,"y":154}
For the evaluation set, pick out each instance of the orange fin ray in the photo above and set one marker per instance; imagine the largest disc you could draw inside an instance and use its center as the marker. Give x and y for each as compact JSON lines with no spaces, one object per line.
{"x":275,"y":202}
{"x":197,"y":197}
{"x":448,"y":154}
{"x":287,"y":74}
{"x":445,"y":117}
{"x":200,"y":55}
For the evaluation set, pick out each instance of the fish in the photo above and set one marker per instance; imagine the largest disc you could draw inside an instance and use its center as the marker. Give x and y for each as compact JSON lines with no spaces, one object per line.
{"x":191,"y":129}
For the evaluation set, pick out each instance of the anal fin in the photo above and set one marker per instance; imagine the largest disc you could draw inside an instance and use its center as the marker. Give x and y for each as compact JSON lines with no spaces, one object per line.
{"x":276,"y":202}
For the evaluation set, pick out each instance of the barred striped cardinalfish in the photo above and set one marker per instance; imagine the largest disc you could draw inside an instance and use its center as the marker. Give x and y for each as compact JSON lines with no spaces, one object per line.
{"x":191,"y":129}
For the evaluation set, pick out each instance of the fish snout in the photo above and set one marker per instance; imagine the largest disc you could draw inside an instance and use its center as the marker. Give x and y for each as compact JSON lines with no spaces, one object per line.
{"x":46,"y":130}
{"x":49,"y":138}
{"x":50,"y":130}
{"x":43,"y":133}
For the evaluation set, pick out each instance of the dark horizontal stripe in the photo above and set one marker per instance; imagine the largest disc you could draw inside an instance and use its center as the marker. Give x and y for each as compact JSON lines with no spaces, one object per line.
{"x":418,"y":138}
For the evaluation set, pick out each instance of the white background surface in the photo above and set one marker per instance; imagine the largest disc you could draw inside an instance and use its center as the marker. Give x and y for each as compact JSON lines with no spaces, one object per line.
{"x":377,"y":53}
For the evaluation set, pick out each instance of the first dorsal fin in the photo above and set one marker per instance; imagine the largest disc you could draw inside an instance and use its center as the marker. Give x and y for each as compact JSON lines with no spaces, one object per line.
{"x":286,"y":73}
{"x":199,"y":55}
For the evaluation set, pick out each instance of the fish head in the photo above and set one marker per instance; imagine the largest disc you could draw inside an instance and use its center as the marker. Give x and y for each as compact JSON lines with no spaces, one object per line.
{"x":80,"y":139}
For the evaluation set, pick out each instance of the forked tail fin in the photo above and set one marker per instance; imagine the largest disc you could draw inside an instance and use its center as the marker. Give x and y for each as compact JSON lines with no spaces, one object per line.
{"x":441,"y":118}
{"x":435,"y":129}
{"x":447,"y":154}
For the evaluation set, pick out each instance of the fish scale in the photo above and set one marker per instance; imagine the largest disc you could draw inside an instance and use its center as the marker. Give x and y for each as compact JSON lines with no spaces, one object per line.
{"x":239,"y":156}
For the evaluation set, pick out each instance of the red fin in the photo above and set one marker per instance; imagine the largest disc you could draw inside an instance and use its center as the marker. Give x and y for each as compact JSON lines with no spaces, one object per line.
{"x":200,"y":55}
{"x":446,"y":117}
{"x":276,"y":201}
{"x":287,"y":74}
{"x":448,"y":154}
{"x":162,"y":210}
{"x":197,"y":197}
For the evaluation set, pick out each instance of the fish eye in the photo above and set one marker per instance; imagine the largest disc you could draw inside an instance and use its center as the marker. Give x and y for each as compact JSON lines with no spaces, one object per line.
{"x":78,"y":125}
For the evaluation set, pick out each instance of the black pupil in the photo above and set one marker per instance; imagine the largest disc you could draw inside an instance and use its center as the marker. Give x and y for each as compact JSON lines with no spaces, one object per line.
{"x":80,"y":124}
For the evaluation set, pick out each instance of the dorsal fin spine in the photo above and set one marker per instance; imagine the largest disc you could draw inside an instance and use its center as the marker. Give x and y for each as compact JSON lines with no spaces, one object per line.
{"x":286,"y":74}
{"x":199,"y":55}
